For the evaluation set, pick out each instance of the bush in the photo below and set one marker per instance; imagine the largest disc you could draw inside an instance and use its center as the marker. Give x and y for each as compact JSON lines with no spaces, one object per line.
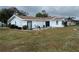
{"x":18,"y":27}
{"x":13,"y":26}
{"x":38,"y":26}
{"x":44,"y":26}
{"x":24,"y":27}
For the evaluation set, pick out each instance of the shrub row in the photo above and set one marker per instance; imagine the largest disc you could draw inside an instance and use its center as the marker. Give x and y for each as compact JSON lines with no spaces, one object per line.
{"x":16,"y":27}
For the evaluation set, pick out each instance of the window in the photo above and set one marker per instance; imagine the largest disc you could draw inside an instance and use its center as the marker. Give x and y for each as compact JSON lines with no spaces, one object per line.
{"x":56,"y":22}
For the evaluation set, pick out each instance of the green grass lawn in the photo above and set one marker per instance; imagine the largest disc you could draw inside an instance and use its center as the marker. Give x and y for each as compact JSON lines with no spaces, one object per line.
{"x":49,"y":40}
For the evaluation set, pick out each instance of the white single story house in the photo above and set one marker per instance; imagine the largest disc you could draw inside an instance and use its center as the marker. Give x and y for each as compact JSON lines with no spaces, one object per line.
{"x":34,"y":22}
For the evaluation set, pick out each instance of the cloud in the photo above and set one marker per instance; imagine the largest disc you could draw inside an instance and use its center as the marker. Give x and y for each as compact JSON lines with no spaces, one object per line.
{"x":51,"y":10}
{"x":32,"y":10}
{"x":63,"y":10}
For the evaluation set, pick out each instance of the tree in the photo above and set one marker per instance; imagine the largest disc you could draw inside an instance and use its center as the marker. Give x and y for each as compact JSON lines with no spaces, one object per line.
{"x":39,"y":14}
{"x":5,"y":13}
{"x":45,"y":15}
{"x":42,"y":14}
{"x":21,"y":12}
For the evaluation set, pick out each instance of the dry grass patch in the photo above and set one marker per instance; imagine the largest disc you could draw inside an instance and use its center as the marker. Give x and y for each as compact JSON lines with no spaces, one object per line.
{"x":57,"y":39}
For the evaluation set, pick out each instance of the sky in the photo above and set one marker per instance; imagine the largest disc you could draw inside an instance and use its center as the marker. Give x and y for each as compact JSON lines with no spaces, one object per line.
{"x":51,"y":10}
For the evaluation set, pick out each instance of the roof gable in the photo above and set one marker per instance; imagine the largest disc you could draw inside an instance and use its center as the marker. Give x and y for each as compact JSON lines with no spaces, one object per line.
{"x":14,"y":16}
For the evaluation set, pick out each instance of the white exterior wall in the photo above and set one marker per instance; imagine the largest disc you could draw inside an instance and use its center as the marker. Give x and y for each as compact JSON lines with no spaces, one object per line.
{"x":18,"y":22}
{"x":24,"y":23}
{"x":37,"y":23}
{"x":53,"y":23}
{"x":21,"y":23}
